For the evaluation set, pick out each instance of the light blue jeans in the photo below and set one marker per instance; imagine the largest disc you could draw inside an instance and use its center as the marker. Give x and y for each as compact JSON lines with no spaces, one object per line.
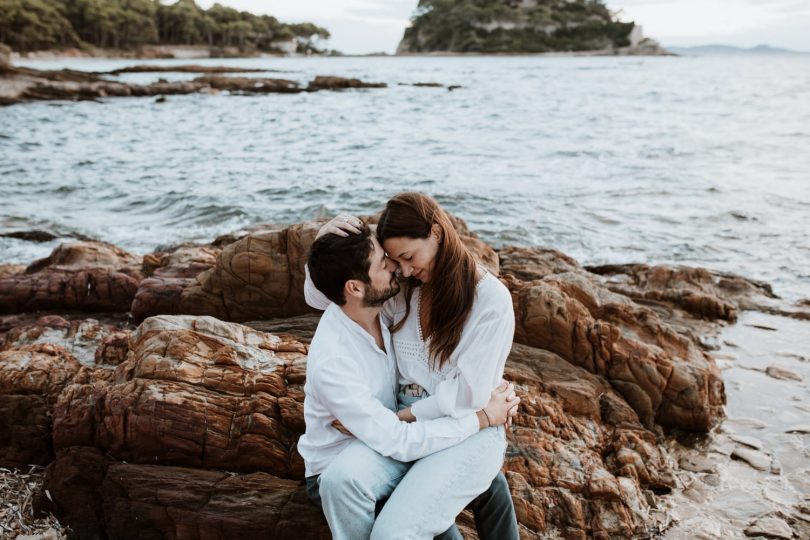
{"x":425,"y":496}
{"x":438,"y":487}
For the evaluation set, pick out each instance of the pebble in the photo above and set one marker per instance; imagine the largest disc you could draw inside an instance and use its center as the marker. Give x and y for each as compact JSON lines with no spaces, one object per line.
{"x":798,"y":428}
{"x":755,"y":458}
{"x":782,"y":374}
{"x":753,"y":442}
{"x":697,"y":463}
{"x":770,"y":527}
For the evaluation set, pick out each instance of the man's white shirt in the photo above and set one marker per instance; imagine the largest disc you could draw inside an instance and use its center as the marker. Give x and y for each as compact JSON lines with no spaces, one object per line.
{"x":350,"y":379}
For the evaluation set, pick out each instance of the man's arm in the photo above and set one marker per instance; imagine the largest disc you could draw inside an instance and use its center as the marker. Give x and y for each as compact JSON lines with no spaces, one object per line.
{"x":344,"y":391}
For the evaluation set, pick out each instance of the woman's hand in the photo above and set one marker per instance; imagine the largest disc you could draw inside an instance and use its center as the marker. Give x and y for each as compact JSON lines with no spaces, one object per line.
{"x":502,"y":406}
{"x":342,"y":225}
{"x":405,"y":415}
{"x":341,"y":428}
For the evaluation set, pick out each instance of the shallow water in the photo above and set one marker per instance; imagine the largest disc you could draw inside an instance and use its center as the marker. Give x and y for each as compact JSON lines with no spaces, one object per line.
{"x":701,"y":161}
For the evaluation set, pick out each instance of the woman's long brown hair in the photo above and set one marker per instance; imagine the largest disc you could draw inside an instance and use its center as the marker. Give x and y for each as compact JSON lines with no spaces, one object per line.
{"x":453,"y":278}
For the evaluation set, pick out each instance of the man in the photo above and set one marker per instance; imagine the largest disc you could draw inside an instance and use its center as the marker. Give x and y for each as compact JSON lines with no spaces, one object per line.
{"x":356,"y":448}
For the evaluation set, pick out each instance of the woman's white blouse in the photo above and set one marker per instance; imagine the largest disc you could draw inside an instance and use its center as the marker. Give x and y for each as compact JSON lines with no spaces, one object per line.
{"x":466,"y":380}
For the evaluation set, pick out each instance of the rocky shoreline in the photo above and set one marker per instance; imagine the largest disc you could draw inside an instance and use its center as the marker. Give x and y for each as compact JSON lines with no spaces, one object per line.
{"x":164,"y":393}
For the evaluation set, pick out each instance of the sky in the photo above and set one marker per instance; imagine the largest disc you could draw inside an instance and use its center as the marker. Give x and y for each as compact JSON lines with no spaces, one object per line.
{"x":365,"y":26}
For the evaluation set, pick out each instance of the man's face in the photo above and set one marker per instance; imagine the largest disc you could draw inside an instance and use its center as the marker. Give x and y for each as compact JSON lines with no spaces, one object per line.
{"x":382,"y":274}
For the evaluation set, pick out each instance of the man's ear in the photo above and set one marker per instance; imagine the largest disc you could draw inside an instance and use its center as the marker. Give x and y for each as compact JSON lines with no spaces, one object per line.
{"x":354,"y":287}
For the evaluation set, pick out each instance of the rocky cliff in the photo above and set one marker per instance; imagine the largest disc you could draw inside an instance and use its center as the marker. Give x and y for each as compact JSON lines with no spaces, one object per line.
{"x":517,"y":26}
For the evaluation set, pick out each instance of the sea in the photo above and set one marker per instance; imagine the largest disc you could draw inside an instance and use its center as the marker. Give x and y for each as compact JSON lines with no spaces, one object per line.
{"x":701,"y":161}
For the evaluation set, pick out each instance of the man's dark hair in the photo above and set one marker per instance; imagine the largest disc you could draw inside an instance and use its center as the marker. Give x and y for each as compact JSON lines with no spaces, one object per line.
{"x":334,"y":260}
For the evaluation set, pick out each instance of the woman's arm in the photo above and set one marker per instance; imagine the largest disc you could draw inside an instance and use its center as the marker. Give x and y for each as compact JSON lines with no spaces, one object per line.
{"x":481,"y":356}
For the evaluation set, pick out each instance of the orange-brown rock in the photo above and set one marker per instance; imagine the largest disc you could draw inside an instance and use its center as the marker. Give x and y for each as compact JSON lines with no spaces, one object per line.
{"x":528,"y":264}
{"x":700,"y":292}
{"x":31,"y":379}
{"x":170,"y":273}
{"x":661,"y":374}
{"x":86,"y":276}
{"x":95,"y":495}
{"x":81,"y":338}
{"x":579,"y":461}
{"x":199,"y":392}
{"x":7,"y":270}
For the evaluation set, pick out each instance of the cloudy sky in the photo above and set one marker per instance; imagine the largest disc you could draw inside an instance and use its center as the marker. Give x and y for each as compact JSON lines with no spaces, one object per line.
{"x":363,"y":26}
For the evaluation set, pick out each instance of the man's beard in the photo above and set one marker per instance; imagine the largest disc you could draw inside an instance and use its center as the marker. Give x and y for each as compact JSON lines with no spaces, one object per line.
{"x":377,"y":297}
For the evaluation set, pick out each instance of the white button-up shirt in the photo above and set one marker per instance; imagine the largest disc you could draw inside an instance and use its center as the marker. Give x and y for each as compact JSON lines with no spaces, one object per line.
{"x":350,"y":379}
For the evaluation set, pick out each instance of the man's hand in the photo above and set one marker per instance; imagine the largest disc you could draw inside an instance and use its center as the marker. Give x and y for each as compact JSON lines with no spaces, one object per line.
{"x":502,"y":402}
{"x":342,"y":225}
{"x":341,"y":428}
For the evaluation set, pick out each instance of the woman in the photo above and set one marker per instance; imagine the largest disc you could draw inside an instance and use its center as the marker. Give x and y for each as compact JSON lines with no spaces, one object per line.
{"x":452,"y":328}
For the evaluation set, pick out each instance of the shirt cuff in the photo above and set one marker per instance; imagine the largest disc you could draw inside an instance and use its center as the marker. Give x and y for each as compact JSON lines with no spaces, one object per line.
{"x":470,"y":424}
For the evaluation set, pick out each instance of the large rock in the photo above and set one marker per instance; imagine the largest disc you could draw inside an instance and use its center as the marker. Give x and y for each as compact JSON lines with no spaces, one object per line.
{"x":85,"y":276}
{"x":99,"y":497}
{"x":579,"y":463}
{"x":700,"y":292}
{"x":31,"y":379}
{"x":661,"y":374}
{"x":196,"y":392}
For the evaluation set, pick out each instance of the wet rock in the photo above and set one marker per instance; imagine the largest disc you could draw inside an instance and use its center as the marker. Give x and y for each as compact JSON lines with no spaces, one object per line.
{"x":695,"y":462}
{"x":752,"y":442}
{"x":755,"y":458}
{"x":339,"y":83}
{"x":661,"y":374}
{"x":770,"y":527}
{"x":782,"y":374}
{"x":86,"y":276}
{"x":188,"y":68}
{"x":249,"y":85}
{"x":30,"y":236}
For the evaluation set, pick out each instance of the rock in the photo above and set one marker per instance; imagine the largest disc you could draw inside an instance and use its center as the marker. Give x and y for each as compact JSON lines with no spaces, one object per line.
{"x":249,"y":85}
{"x":798,"y":428}
{"x":528,"y":264}
{"x":50,"y":534}
{"x":197,"y":392}
{"x":5,"y":56}
{"x":86,"y":276}
{"x":7,"y":270}
{"x":700,"y":292}
{"x":339,"y":83}
{"x":661,"y":374}
{"x":755,"y":458}
{"x":187,"y":68}
{"x":94,"y":493}
{"x":170,"y":272}
{"x":696,"y":462}
{"x":752,"y":442}
{"x":30,"y":236}
{"x":782,"y":374}
{"x":31,"y":379}
{"x":770,"y":527}
{"x":81,"y":338}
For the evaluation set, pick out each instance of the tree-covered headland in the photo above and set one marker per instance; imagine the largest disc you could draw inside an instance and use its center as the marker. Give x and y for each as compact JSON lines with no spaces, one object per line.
{"x":509,"y":26}
{"x":30,"y":25}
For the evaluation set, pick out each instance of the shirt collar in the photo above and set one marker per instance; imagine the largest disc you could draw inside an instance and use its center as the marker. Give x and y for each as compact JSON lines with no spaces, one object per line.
{"x":355,"y":328}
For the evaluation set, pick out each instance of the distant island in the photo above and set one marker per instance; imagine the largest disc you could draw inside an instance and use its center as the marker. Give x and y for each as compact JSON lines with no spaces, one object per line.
{"x":521,"y":26}
{"x":148,"y":27}
{"x":728,"y":49}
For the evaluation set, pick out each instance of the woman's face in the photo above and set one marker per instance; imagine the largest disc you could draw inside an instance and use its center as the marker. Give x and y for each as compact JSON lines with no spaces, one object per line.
{"x":415,"y":256}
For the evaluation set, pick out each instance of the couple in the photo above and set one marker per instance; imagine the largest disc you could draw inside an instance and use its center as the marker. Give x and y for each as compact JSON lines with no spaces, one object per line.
{"x":404,"y":393}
